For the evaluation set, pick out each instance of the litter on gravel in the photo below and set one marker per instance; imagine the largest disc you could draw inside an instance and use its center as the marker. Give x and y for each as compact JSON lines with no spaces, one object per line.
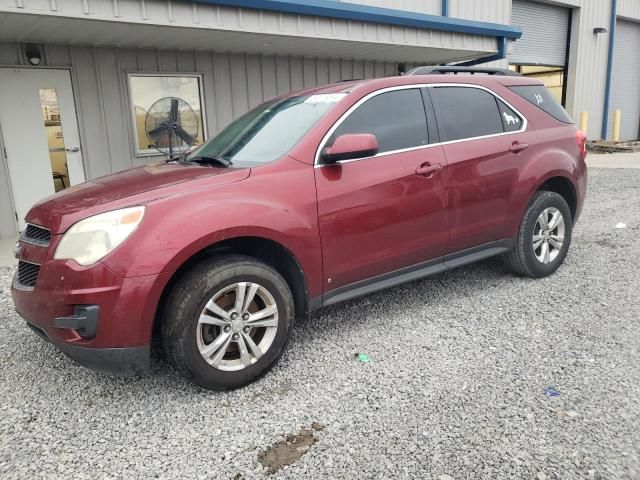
{"x":551,"y":392}
{"x":362,"y":357}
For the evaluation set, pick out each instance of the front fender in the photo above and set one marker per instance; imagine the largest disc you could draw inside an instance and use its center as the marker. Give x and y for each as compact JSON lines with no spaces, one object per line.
{"x":279,"y":207}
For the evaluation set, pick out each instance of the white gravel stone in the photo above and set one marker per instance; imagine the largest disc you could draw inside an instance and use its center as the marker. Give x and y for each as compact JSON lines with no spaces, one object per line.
{"x":454,"y":387}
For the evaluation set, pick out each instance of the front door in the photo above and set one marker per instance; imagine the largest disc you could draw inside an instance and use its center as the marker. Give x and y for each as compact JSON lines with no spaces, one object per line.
{"x":385,"y":212}
{"x":40,"y":134}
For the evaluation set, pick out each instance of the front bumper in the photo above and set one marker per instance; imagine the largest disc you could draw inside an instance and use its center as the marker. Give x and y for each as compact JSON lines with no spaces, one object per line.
{"x":118,"y":342}
{"x":124,"y":361}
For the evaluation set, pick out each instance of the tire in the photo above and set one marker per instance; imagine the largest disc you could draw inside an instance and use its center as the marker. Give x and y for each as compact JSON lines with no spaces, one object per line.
{"x":528,"y":261}
{"x":187,"y":341}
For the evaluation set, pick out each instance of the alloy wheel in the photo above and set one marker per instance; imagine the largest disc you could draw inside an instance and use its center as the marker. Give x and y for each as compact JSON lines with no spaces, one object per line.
{"x":237,"y":326}
{"x":548,"y":235}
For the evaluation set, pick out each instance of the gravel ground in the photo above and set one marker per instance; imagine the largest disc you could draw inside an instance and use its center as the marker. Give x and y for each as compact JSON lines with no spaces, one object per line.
{"x":454,"y":387}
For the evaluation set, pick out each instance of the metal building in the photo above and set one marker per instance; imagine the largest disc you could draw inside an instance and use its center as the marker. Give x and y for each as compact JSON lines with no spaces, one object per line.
{"x":77,"y":76}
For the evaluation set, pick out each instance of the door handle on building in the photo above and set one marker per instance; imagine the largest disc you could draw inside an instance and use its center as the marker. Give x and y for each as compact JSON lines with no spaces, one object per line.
{"x":428,"y":169}
{"x":75,"y":148}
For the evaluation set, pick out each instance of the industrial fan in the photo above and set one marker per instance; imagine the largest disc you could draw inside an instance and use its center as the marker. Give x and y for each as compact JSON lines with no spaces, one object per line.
{"x":171,"y":126}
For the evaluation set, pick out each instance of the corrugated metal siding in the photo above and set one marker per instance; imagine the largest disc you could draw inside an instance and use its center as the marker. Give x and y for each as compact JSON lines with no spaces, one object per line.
{"x":238,"y":29}
{"x":497,"y":11}
{"x":544,"y":33}
{"x":625,"y":86}
{"x":629,"y":9}
{"x":232,"y":84}
{"x":7,"y":219}
{"x":423,"y":6}
{"x":588,"y":63}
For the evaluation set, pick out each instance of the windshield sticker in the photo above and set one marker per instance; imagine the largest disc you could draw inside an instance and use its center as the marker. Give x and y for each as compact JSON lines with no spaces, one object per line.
{"x":325,"y":98}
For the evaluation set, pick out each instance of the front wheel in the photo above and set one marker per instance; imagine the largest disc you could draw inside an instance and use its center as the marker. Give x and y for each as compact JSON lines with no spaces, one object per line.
{"x":543,"y":238}
{"x":227,"y":322}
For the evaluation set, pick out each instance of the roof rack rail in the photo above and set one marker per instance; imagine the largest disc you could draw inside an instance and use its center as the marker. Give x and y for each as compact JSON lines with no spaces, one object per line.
{"x":454,"y":70}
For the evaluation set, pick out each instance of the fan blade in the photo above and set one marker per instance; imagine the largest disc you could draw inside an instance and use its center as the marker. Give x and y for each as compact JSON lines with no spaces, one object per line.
{"x":173,"y":115}
{"x":184,"y":135}
{"x":156,"y":132}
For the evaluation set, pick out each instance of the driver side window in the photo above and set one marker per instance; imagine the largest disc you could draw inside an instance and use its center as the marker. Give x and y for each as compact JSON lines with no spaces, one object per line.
{"x":396,"y":118}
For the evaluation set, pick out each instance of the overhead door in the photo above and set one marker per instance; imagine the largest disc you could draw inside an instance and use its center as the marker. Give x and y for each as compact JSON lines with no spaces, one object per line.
{"x":545,"y":30}
{"x":625,"y":84}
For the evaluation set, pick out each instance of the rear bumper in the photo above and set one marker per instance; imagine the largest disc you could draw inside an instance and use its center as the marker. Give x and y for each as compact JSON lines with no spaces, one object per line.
{"x":124,"y":361}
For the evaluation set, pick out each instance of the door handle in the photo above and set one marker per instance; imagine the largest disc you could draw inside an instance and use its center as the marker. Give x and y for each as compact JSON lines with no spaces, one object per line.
{"x":428,"y":169}
{"x":75,"y":148}
{"x":518,"y":147}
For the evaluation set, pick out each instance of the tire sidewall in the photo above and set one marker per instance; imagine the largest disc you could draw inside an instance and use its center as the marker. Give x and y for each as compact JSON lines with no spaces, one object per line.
{"x":543,"y":201}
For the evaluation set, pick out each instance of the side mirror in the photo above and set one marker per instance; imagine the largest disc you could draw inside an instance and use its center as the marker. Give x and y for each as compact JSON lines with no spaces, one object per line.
{"x":350,"y":146}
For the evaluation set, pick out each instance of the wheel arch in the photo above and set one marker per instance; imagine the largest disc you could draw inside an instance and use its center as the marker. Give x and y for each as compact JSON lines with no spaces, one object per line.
{"x":271,"y":252}
{"x":563,"y":186}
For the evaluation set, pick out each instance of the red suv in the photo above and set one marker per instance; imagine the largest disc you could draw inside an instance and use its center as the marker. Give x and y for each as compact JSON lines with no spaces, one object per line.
{"x":310,"y":199}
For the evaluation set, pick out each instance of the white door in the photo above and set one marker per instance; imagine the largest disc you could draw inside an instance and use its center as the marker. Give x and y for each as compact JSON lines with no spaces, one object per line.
{"x":40,"y":133}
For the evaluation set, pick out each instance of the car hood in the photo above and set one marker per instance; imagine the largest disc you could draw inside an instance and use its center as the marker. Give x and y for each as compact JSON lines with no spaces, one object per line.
{"x":136,"y":186}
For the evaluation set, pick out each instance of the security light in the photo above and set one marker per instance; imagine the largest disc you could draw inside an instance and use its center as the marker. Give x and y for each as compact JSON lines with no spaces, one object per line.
{"x":33,"y":54}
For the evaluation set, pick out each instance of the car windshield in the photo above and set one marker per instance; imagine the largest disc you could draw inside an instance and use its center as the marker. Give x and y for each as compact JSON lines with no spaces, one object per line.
{"x":266,"y":132}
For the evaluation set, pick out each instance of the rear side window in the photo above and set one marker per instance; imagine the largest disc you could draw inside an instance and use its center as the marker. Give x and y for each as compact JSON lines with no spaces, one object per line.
{"x":542,"y":98}
{"x":465,"y":112}
{"x":396,"y":118}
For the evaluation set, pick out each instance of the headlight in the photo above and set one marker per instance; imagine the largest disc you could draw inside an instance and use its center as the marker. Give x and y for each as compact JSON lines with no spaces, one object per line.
{"x":90,"y":239}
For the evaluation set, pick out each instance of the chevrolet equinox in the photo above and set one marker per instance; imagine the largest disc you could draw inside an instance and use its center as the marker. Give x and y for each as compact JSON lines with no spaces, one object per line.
{"x":309,"y":199}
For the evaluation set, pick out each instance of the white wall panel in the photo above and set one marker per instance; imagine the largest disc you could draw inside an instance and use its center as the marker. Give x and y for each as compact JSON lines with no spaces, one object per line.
{"x":238,"y":30}
{"x":422,"y":6}
{"x":625,"y":83}
{"x":496,"y":11}
{"x":629,"y":9}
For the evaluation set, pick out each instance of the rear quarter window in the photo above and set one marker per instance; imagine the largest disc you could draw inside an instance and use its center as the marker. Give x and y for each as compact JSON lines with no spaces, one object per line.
{"x":542,"y":98}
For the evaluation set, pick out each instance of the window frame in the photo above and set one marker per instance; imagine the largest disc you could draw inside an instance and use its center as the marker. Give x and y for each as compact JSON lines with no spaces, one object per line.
{"x":424,"y":87}
{"x":429,"y":136}
{"x":523,"y":120}
{"x":137,"y":153}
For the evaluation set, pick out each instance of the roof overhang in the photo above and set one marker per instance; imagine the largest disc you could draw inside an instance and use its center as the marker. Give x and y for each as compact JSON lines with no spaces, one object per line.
{"x":310,"y":28}
{"x":366,"y":13}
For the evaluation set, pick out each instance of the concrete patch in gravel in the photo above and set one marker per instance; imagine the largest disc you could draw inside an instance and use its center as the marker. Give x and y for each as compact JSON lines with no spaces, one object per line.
{"x":290,"y":450}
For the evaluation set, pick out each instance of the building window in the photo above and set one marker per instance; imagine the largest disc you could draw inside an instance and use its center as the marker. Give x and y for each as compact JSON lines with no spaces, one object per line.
{"x":146,"y":89}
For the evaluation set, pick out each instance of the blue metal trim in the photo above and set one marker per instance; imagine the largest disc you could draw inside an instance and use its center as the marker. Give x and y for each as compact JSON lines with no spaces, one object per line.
{"x":445,"y":8}
{"x":363,"y":13}
{"x":502,"y":53}
{"x":607,"y":87}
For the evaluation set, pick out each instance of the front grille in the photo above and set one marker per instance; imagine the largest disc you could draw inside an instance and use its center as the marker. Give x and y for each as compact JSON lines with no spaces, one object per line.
{"x":28,"y":273}
{"x":36,"y":235}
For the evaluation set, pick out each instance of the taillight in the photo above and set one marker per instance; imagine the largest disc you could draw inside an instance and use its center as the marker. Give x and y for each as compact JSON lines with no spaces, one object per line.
{"x":581,"y":140}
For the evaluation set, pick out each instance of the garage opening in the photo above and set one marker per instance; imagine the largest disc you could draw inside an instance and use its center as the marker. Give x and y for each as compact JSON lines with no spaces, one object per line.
{"x":543,"y":50}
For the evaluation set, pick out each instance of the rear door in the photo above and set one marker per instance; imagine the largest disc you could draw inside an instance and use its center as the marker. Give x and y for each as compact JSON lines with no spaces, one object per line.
{"x":385,"y":212}
{"x":485,"y":142}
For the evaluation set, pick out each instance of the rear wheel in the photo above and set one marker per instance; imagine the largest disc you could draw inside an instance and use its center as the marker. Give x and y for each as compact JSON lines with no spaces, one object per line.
{"x":543,"y":238}
{"x":227,"y":322}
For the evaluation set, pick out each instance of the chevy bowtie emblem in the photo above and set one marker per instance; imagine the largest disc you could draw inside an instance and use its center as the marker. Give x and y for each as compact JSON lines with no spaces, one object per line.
{"x":16,"y":250}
